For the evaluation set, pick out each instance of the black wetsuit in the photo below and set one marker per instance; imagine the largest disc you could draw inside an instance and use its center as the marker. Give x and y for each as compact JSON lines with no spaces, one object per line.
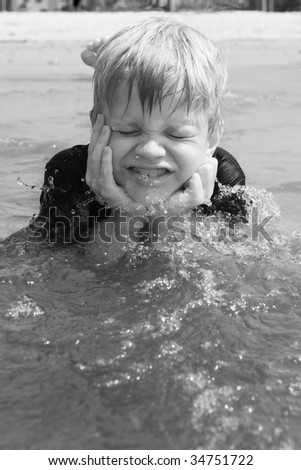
{"x":68,"y":209}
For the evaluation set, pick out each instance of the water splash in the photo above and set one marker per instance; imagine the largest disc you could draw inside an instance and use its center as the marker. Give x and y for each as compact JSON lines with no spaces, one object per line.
{"x":32,"y":187}
{"x":24,"y":308}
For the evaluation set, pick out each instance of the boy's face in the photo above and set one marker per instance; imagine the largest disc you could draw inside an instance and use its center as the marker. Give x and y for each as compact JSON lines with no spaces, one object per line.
{"x":155,"y":153}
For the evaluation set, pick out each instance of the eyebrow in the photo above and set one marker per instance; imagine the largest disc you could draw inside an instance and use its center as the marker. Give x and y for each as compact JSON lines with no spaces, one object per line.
{"x":123,"y":123}
{"x":182,"y":127}
{"x":186,"y":122}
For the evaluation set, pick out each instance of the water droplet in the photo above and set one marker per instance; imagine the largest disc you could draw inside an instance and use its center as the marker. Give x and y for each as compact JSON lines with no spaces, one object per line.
{"x":51,"y":181}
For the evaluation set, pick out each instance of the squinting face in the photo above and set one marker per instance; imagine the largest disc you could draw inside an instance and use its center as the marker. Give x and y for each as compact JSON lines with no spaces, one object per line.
{"x":155,"y":153}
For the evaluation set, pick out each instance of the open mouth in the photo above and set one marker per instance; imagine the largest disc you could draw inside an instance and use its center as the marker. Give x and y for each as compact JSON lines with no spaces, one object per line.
{"x":146,"y":173}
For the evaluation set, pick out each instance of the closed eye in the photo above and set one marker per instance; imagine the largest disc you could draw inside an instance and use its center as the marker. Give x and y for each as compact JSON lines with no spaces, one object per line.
{"x":181,"y":132}
{"x":133,"y":132}
{"x":179,"y":137}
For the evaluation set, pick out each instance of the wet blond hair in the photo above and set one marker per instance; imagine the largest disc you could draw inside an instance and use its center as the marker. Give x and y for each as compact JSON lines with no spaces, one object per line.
{"x":161,"y":56}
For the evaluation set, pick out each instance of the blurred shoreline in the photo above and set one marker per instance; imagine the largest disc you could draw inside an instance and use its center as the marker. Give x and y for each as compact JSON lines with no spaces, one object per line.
{"x":82,"y":26}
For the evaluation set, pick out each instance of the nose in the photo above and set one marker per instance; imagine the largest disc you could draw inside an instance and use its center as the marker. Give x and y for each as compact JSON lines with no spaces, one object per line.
{"x":150,"y":149}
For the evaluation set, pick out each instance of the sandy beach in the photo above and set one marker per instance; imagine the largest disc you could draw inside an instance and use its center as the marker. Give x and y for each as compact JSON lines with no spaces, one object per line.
{"x":46,"y":93}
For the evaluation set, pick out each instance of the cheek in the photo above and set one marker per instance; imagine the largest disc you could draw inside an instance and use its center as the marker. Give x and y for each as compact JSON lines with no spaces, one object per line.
{"x":189,"y":162}
{"x":120,"y":147}
{"x":119,"y":172}
{"x":117,"y":154}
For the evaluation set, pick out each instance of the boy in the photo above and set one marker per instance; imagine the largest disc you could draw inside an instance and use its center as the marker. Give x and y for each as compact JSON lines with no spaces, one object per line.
{"x":156,"y":125}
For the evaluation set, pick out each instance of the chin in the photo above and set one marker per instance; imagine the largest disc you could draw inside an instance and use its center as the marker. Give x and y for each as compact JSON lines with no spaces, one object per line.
{"x":147,"y":198}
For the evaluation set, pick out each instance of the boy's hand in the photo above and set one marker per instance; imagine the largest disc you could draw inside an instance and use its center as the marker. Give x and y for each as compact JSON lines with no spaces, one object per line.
{"x":199,"y":189}
{"x":89,"y":54}
{"x":99,"y":174}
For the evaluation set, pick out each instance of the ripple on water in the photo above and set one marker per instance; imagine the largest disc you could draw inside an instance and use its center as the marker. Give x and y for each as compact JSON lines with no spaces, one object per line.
{"x":14,"y":142}
{"x":183,"y":345}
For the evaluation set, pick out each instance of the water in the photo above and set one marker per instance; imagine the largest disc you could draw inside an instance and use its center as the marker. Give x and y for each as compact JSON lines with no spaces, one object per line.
{"x":169,"y":346}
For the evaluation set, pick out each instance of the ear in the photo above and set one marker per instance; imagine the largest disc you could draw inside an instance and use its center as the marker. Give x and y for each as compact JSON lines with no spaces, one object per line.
{"x":214,"y":139}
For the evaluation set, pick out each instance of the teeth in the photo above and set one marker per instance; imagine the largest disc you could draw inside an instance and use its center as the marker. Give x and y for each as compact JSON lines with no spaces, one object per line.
{"x":149,"y":173}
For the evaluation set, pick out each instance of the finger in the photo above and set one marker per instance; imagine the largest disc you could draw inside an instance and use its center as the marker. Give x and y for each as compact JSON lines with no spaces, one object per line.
{"x":205,"y":174}
{"x":111,"y":193}
{"x":193,"y":185}
{"x":192,"y":196}
{"x":101,"y":143}
{"x":94,"y":163}
{"x":88,"y":57}
{"x":96,"y":131}
{"x":96,"y":43}
{"x":208,"y":174}
{"x":107,"y":167}
{"x":194,"y":191}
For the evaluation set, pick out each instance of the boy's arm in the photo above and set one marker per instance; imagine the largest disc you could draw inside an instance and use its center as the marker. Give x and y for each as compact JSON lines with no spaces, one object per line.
{"x":68,"y":208}
{"x":229,"y":174}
